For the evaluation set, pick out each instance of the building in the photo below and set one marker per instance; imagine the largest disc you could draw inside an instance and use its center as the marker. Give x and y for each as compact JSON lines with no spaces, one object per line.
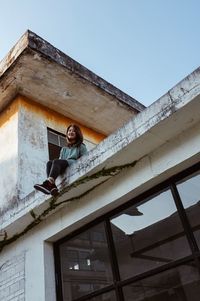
{"x":125,"y":225}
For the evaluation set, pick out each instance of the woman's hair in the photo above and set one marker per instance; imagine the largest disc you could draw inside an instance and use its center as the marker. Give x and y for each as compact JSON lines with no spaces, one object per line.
{"x":79,"y":135}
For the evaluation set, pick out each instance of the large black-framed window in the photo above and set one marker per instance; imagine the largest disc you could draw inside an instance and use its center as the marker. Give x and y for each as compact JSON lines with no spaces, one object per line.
{"x":147,"y":249}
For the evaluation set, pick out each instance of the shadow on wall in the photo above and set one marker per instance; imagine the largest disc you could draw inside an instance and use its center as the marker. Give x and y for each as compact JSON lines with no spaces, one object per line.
{"x":8,"y":182}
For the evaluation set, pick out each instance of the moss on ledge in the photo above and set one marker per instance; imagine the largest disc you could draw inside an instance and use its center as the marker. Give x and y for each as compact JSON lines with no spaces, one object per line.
{"x":53,"y":204}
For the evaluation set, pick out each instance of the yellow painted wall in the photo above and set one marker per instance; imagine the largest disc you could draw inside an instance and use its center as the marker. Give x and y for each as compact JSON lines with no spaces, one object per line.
{"x":9,"y":112}
{"x":55,"y":120}
{"x":52,"y":119}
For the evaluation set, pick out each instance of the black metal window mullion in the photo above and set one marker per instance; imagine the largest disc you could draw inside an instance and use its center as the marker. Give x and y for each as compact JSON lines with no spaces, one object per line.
{"x":94,"y":294}
{"x":59,"y":294}
{"x":156,"y":271}
{"x":118,"y":284}
{"x":184,"y":219}
{"x":186,"y":225}
{"x":114,"y":261}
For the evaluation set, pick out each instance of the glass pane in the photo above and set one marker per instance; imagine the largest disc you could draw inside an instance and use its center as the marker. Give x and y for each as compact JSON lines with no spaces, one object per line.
{"x":52,"y":137}
{"x":149,"y":235}
{"x":189,"y":190}
{"x":62,"y":141}
{"x":179,"y":284}
{"x":54,"y":151}
{"x":105,"y":297}
{"x":85,"y":264}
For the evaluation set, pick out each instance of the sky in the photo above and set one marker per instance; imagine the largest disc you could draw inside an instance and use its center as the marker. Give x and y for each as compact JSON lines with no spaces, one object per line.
{"x":143,"y":47}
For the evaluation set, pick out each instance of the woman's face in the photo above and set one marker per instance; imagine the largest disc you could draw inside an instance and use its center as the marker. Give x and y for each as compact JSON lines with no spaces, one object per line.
{"x":71,"y":134}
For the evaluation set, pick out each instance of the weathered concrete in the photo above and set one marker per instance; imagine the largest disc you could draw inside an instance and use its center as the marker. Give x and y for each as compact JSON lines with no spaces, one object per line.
{"x":9,"y":157}
{"x":25,"y":153}
{"x":173,"y":156}
{"x":36,"y":69}
{"x":159,"y":142}
{"x":12,"y":278}
{"x":171,"y":115}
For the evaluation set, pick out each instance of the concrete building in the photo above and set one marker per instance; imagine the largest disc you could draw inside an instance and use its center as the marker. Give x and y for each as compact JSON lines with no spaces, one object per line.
{"x":125,"y":225}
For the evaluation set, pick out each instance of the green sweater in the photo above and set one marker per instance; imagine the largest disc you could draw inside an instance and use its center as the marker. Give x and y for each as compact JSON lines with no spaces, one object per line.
{"x":71,"y":154}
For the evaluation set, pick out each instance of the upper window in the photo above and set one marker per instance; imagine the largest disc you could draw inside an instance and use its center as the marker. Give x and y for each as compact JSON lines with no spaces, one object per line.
{"x":55,"y":142}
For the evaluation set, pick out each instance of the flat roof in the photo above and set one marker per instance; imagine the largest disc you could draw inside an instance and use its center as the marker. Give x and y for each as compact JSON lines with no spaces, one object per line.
{"x":36,"y":69}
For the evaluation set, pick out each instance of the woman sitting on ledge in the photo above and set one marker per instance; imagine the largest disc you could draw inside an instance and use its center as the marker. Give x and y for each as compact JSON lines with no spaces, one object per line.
{"x":75,"y":149}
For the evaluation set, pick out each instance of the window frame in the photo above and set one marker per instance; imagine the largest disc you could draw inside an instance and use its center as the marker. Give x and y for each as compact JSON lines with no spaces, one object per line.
{"x":59,"y":145}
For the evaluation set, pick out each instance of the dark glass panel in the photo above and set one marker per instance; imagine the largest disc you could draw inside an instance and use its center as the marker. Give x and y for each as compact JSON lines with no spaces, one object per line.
{"x":85,"y":264}
{"x":62,"y":141}
{"x":179,"y":284}
{"x":54,"y":151}
{"x":148,"y":235}
{"x":52,"y":138}
{"x":105,"y":297}
{"x":189,"y":191}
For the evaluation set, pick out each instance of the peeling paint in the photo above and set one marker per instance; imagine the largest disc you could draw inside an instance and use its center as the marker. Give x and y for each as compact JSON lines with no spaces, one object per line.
{"x":56,"y":119}
{"x":24,"y":136}
{"x":9,"y":112}
{"x":44,"y":74}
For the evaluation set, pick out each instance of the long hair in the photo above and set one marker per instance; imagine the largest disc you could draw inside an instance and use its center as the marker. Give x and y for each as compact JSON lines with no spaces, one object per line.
{"x":79,"y":135}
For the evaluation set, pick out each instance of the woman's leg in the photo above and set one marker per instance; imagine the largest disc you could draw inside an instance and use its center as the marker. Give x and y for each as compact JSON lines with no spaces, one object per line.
{"x":57,"y":168}
{"x":48,"y":167}
{"x":54,"y":169}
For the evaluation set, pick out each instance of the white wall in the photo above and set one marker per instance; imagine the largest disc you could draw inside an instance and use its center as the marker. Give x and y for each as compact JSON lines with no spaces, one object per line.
{"x":33,"y":147}
{"x":174,"y":156}
{"x":12,"y":278}
{"x":8,"y":161}
{"x":33,"y":151}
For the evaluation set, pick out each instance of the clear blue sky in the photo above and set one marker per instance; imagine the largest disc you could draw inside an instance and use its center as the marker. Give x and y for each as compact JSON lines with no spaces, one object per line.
{"x":144,"y":47}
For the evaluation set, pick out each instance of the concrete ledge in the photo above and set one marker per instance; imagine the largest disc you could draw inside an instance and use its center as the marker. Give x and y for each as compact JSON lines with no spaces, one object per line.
{"x":172,"y":114}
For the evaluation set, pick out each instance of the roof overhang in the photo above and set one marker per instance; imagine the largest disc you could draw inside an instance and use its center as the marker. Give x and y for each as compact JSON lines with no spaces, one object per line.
{"x":41,"y":72}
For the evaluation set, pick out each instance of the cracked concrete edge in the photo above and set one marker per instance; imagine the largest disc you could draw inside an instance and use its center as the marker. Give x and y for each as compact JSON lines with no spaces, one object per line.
{"x":102,"y":154}
{"x":13,"y":54}
{"x":32,"y":41}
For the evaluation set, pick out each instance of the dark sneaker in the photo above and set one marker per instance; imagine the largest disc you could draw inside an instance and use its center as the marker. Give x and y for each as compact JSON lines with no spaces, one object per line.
{"x":45,"y":187}
{"x":54,"y":190}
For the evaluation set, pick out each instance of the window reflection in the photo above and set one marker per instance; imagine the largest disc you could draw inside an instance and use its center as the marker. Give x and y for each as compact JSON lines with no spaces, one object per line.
{"x":153,"y":237}
{"x":85,"y":264}
{"x":179,"y":284}
{"x":189,"y":191}
{"x":105,"y":297}
{"x":146,"y":236}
